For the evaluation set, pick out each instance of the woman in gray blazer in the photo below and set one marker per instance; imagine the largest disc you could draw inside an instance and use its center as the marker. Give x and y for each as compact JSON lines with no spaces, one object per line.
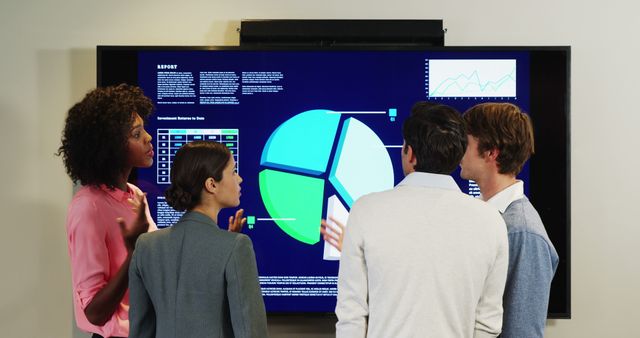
{"x":195,"y":279}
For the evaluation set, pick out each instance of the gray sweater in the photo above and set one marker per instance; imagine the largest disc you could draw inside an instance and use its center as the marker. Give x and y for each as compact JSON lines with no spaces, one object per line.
{"x":532,"y":263}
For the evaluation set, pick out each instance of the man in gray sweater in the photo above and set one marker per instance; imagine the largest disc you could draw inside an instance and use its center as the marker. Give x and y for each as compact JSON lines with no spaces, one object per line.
{"x":500,"y":141}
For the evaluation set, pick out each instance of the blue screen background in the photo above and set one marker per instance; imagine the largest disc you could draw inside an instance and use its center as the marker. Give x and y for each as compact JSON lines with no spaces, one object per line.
{"x":333,"y":80}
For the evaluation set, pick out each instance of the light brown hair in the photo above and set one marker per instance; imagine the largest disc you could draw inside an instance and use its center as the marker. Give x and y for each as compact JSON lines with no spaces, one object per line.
{"x":502,"y":126}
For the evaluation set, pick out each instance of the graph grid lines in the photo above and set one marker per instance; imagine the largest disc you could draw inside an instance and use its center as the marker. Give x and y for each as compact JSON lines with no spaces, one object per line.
{"x":471,"y":78}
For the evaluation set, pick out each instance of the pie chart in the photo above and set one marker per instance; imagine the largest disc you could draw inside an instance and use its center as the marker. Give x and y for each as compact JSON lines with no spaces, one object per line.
{"x":300,"y":158}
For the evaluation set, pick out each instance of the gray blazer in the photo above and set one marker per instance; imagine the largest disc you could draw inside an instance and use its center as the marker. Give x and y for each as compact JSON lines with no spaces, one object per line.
{"x":195,"y":280}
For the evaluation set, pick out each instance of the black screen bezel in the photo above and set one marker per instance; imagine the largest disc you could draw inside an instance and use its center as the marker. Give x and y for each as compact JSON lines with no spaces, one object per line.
{"x":550,"y":183}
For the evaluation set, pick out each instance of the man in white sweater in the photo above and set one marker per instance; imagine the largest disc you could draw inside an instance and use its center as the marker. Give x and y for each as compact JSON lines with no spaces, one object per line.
{"x":423,"y":259}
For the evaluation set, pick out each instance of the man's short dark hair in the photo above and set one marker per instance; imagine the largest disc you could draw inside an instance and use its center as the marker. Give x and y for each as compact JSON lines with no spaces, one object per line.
{"x":502,"y":126}
{"x":436,"y":133}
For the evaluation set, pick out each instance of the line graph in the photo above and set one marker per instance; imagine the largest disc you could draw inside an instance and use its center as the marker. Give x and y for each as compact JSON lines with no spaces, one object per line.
{"x":471,"y":78}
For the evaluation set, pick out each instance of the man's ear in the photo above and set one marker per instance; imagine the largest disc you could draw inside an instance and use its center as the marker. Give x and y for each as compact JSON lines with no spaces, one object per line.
{"x":411,"y":156}
{"x":492,"y":154}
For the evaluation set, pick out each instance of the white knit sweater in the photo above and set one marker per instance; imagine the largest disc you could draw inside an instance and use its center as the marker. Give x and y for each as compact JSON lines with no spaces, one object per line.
{"x":422,"y":260}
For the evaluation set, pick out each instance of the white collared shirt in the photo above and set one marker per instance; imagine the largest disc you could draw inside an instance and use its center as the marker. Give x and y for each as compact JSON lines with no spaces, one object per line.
{"x":437,"y":181}
{"x":504,"y":198}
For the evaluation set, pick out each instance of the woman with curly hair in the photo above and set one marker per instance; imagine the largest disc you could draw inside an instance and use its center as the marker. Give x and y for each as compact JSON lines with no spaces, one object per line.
{"x":195,"y":279}
{"x":103,"y":140}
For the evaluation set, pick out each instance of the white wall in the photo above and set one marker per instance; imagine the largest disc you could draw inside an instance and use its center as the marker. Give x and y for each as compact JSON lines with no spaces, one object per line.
{"x":48,"y":63}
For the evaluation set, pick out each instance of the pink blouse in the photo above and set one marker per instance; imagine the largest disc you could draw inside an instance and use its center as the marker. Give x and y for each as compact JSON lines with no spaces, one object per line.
{"x":97,"y":250}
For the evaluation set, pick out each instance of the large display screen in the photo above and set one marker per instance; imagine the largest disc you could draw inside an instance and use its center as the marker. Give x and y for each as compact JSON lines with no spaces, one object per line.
{"x":313,"y":130}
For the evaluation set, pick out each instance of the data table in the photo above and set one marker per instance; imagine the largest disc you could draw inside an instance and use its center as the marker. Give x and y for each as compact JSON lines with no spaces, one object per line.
{"x":170,"y":140}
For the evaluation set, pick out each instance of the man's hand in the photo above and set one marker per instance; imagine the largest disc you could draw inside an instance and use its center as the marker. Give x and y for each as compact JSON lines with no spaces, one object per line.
{"x":332,"y":234}
{"x":140,"y":224}
{"x":236,"y":222}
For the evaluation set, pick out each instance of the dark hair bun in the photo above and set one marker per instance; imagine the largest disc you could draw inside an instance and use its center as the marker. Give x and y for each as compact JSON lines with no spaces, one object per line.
{"x":194,"y":163}
{"x":178,"y":199}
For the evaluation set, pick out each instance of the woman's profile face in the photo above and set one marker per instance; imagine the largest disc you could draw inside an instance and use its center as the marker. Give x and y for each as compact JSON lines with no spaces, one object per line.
{"x":139,"y":147}
{"x":228,"y":189}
